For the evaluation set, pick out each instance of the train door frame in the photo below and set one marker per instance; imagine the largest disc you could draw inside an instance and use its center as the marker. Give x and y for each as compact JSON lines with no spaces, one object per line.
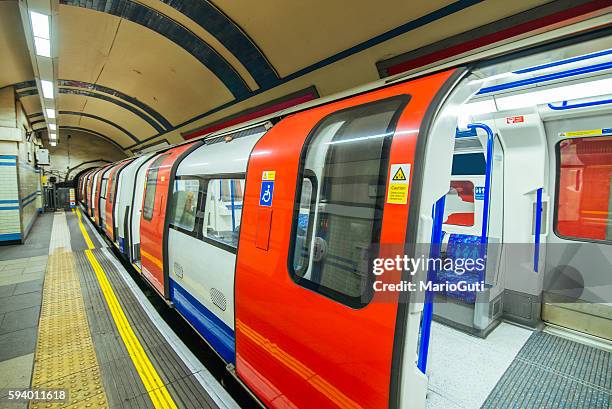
{"x":100,"y":215}
{"x":114,"y":179}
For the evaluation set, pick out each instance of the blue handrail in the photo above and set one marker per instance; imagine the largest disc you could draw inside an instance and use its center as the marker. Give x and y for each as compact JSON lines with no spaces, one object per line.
{"x":564,"y":105}
{"x":538,"y":228}
{"x":488,"y":171}
{"x":434,"y":252}
{"x":231,"y":181}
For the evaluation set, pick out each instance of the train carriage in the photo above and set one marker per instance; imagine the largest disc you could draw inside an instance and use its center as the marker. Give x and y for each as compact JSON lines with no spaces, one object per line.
{"x":126,"y":202}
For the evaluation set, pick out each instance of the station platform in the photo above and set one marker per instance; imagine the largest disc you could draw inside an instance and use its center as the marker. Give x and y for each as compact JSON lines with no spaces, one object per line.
{"x":72,"y":319}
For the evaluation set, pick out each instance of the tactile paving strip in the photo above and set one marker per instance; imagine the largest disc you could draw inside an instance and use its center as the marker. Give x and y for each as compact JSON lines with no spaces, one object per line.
{"x":555,"y":373}
{"x":65,"y":355}
{"x":121,"y":379}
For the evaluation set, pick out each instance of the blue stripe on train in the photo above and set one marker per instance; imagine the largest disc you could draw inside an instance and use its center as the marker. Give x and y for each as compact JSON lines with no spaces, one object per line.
{"x":208,"y":325}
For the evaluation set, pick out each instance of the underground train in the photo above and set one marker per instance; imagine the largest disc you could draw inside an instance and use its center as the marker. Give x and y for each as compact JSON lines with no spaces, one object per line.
{"x":262,"y":235}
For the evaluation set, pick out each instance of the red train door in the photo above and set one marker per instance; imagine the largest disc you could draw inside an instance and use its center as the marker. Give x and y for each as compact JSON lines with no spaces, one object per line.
{"x":153,"y":226}
{"x":310,"y":332}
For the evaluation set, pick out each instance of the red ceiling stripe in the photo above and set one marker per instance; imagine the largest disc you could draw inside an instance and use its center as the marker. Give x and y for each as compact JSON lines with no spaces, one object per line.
{"x":258,"y":112}
{"x":562,"y":16}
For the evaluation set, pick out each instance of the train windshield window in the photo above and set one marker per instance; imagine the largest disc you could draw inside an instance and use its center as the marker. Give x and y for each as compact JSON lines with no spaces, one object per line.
{"x":150,"y":187}
{"x":337,"y":226}
{"x":459,"y":204}
{"x":223,"y":210}
{"x":584,"y":193}
{"x":185,"y":203}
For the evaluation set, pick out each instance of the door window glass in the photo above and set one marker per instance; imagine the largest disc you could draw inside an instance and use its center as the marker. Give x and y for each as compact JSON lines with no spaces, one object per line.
{"x":584,"y":194}
{"x":103,"y":188}
{"x":185,"y":203}
{"x":303,"y":227}
{"x":150,"y":187}
{"x":348,"y":155}
{"x":223,"y":210}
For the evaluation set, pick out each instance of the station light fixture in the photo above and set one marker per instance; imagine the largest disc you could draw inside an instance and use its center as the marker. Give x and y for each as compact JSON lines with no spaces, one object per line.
{"x":47,"y":88}
{"x":39,"y":20}
{"x":41,"y":32}
{"x":43,"y":47}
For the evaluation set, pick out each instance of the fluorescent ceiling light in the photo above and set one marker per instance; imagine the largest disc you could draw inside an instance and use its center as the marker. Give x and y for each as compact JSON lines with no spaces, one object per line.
{"x":47,"y":88}
{"x":50,"y":113}
{"x":52,"y":136}
{"x":53,"y":127}
{"x":563,"y":93}
{"x":43,"y":47}
{"x":40,"y":24}
{"x":468,"y":111}
{"x":52,"y":143}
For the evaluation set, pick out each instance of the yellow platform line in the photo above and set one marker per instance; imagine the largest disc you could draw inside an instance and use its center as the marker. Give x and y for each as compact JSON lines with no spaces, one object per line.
{"x":65,"y":355}
{"x":150,"y":378}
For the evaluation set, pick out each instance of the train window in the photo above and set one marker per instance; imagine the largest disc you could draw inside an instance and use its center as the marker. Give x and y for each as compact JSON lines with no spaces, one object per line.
{"x":113,"y":189}
{"x":584,"y":189}
{"x":185,"y":203}
{"x":333,"y":246}
{"x":103,"y":188}
{"x":459,"y":204}
{"x":223,"y":211}
{"x":149,"y":200}
{"x":304,"y":227}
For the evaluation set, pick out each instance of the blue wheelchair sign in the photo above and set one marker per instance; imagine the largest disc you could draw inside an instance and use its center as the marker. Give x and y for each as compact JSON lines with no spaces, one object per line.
{"x":267,"y":192}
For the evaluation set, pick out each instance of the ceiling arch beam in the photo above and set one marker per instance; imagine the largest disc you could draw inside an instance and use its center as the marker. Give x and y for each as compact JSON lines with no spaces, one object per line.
{"x":224,"y":29}
{"x":99,"y":118}
{"x":170,"y":29}
{"x":118,"y":94}
{"x":94,"y":133}
{"x":103,"y":97}
{"x":156,"y":120}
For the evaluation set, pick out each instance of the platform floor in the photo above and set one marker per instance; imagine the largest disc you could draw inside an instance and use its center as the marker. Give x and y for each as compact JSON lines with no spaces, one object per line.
{"x":72,"y":318}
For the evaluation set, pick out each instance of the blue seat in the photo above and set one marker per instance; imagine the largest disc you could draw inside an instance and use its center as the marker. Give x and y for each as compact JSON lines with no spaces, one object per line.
{"x":462,"y":246}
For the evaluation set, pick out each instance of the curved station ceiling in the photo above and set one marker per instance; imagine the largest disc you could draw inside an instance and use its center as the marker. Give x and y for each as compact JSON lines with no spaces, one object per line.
{"x":139,"y":72}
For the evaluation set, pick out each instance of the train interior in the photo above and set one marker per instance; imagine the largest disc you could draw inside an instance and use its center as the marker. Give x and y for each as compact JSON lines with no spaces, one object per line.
{"x":530,"y":186}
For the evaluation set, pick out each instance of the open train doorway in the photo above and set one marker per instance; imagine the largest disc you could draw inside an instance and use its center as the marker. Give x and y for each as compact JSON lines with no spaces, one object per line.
{"x":531,"y":192}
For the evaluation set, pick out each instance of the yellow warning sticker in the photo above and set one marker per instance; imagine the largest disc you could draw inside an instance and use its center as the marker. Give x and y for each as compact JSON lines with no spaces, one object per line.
{"x":268,"y":175}
{"x":398,"y":183}
{"x":587,"y":132}
{"x":399,"y":175}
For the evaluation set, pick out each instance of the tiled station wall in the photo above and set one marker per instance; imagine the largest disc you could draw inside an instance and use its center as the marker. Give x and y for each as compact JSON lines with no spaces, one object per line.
{"x":20,"y":182}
